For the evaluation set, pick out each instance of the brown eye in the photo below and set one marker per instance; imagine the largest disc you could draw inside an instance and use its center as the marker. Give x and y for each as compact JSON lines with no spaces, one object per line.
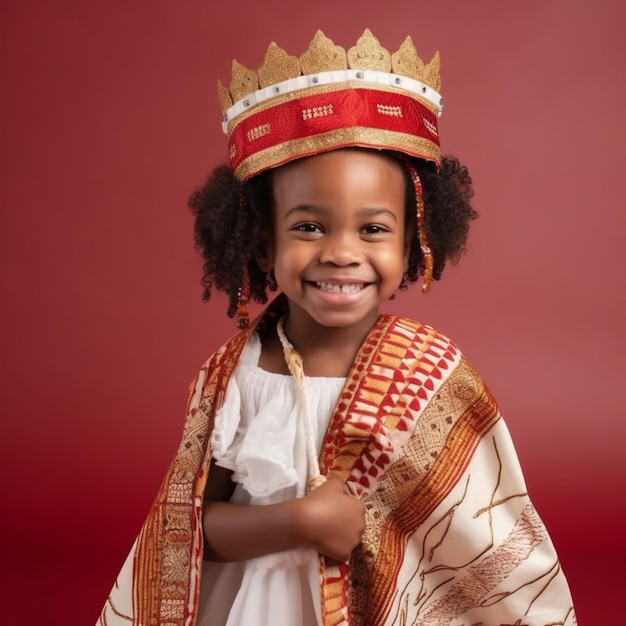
{"x":308,"y":227}
{"x":375,"y":229}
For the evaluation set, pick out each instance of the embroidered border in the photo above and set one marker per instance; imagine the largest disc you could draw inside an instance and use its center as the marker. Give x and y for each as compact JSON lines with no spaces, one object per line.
{"x":169,"y":549}
{"x":430,"y":468}
{"x":398,"y":371}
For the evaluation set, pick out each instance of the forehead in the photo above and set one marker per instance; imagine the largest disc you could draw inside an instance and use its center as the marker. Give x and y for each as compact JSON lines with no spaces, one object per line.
{"x":347,"y":177}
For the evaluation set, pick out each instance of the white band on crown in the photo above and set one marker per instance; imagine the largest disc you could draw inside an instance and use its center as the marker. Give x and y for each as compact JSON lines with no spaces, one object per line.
{"x":329,"y":78}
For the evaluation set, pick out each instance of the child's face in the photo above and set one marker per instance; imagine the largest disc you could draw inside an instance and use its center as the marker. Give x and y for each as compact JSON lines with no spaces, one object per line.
{"x":339,"y":246}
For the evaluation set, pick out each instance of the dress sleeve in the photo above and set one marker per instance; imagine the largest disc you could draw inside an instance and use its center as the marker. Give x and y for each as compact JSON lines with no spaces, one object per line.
{"x":230,"y":429}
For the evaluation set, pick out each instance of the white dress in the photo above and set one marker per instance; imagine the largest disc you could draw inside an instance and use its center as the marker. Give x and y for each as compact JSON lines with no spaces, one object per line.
{"x":259,"y":435}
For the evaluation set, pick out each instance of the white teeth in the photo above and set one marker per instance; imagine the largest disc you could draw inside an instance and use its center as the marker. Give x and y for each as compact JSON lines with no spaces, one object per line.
{"x":333,"y":288}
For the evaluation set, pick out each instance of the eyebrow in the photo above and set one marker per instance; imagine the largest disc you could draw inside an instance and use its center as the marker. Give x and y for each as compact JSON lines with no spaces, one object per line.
{"x":322,"y":210}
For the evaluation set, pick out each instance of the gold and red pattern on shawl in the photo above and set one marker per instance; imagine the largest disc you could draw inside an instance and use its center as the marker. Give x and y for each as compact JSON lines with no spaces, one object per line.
{"x":400,"y":370}
{"x":401,"y":466}
{"x":168,"y":558}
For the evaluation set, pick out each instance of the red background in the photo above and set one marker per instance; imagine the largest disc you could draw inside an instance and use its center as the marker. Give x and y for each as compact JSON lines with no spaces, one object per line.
{"x":109,"y":118}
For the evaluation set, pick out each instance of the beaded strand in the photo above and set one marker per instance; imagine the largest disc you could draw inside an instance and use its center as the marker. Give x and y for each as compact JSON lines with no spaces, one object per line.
{"x":296,"y":369}
{"x":427,"y":254}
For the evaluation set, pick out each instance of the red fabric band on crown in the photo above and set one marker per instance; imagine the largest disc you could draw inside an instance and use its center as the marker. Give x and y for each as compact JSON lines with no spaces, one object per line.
{"x":306,"y":125}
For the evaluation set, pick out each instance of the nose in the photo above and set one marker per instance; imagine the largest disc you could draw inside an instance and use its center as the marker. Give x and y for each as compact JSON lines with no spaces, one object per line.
{"x":340,"y":249}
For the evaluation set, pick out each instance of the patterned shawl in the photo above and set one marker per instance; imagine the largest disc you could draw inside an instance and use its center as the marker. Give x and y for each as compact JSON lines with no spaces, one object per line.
{"x":451,"y":535}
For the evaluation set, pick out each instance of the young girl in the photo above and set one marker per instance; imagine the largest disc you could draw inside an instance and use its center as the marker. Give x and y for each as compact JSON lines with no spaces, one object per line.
{"x":338,"y":466}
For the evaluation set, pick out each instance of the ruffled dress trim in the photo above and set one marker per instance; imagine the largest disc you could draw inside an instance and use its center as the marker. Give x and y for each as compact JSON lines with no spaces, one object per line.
{"x":259,"y":436}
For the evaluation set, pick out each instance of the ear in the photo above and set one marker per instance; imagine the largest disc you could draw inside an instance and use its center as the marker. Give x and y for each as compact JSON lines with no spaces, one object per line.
{"x":408,"y":240}
{"x":264,"y":254}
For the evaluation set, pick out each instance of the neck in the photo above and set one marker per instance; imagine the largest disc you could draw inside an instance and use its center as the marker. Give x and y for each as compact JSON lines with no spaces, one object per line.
{"x":326,"y":350}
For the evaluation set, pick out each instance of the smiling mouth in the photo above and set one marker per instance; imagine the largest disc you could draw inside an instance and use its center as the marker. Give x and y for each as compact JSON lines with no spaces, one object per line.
{"x":335,"y":288}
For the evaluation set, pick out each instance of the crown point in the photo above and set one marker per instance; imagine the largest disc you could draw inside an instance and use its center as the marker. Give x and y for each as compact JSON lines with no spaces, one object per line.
{"x":224,"y":97}
{"x":368,"y":54}
{"x":432,"y":72}
{"x":277,"y":66}
{"x":407,"y":62}
{"x":323,"y":55}
{"x":244,"y":81}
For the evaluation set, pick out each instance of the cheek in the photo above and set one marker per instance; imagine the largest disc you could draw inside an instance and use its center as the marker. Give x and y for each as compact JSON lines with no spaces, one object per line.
{"x":395,"y":258}
{"x":290,"y":259}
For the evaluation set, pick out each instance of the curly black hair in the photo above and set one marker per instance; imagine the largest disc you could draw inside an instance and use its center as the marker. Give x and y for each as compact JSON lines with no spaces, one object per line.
{"x":232,"y":217}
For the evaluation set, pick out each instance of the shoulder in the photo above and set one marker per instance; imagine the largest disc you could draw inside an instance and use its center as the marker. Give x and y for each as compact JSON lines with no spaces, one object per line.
{"x":422,"y":337}
{"x":227,"y":356}
{"x":217,"y":370}
{"x":436,"y":354}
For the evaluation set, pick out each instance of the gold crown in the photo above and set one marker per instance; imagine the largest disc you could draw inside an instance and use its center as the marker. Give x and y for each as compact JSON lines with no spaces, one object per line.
{"x":323,"y":55}
{"x":327,"y":99}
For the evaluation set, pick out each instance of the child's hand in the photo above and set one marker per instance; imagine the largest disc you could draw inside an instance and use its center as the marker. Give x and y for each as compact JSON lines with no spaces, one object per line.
{"x":331,"y":520}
